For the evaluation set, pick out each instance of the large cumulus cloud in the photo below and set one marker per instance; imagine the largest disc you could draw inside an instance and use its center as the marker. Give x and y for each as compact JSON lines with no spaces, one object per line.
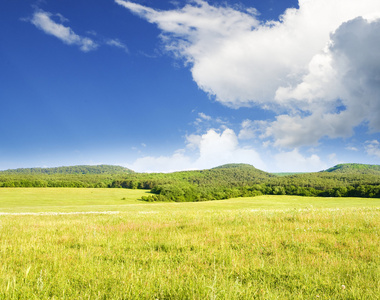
{"x":317,"y":67}
{"x":340,"y":90}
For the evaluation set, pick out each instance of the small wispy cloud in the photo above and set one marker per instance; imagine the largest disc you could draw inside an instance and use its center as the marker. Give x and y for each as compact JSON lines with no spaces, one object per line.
{"x":52,"y":24}
{"x":352,"y":148}
{"x":44,"y":21}
{"x":251,"y":129}
{"x":204,"y":122}
{"x":204,"y":116}
{"x":118,"y":44}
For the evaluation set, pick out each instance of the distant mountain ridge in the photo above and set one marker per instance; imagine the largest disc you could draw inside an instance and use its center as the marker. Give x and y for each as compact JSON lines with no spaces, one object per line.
{"x":355,"y":169}
{"x":80,"y":169}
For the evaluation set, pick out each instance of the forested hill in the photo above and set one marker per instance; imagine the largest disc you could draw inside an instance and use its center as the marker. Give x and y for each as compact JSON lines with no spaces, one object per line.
{"x":83,"y":169}
{"x":231,"y":175}
{"x":242,"y":167}
{"x":237,"y":174}
{"x":227,"y":181}
{"x":355,"y":169}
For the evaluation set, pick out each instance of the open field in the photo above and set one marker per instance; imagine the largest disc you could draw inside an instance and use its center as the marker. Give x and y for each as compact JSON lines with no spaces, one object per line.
{"x":24,"y":200}
{"x":268,"y":247}
{"x":21,"y":200}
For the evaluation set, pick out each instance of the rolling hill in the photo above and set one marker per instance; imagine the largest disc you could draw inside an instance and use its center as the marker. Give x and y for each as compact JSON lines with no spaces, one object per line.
{"x":81,"y":169}
{"x":222,"y":182}
{"x":355,"y":169}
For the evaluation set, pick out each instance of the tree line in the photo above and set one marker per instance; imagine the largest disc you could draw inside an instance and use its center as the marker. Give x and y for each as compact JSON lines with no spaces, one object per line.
{"x":229,"y":181}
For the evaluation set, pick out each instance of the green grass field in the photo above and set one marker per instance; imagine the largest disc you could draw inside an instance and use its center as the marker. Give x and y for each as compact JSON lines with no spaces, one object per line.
{"x":267,"y":247}
{"x":66,"y":199}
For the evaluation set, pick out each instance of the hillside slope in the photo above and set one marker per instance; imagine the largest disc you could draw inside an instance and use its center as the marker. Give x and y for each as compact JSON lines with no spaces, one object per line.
{"x":81,"y":169}
{"x":355,"y":169}
{"x":231,"y":175}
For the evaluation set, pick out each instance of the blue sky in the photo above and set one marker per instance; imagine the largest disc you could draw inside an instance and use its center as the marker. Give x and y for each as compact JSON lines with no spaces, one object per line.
{"x":176,"y":85}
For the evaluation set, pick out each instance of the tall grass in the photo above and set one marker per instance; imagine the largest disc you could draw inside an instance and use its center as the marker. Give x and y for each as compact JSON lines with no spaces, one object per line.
{"x":194,"y":251}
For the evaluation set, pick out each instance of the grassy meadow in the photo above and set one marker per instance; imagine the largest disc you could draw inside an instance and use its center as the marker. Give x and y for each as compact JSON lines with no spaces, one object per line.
{"x":20,"y":200}
{"x":267,"y":247}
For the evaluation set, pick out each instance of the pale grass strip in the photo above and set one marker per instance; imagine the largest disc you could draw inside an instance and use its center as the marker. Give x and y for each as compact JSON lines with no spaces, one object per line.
{"x":316,"y":209}
{"x":60,"y":213}
{"x":257,"y":210}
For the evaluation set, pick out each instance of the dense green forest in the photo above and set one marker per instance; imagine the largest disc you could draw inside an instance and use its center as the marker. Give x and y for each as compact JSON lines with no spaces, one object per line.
{"x":223,"y":182}
{"x":355,"y":168}
{"x":84,"y":169}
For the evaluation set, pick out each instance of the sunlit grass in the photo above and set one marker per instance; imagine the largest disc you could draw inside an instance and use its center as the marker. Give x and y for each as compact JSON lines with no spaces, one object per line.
{"x":66,"y":199}
{"x":17,"y":200}
{"x":256,"y":248}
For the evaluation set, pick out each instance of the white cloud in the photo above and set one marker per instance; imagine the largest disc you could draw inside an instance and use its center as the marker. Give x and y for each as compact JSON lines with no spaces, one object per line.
{"x":217,"y":147}
{"x":247,"y":132}
{"x":205,"y":122}
{"x":317,"y":67}
{"x":239,"y":60}
{"x":176,"y":162}
{"x":118,"y":44}
{"x":211,"y":149}
{"x":293,"y":161}
{"x":222,"y":148}
{"x":346,"y":75}
{"x":352,"y":148}
{"x":204,"y":116}
{"x":43,"y":20}
{"x":295,"y":131}
{"x":373,"y":148}
{"x":252,"y":129}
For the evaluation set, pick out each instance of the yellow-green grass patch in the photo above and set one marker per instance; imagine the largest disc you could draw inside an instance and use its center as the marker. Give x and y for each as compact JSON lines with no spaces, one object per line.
{"x":193,"y":251}
{"x":22,"y":200}
{"x":66,"y":199}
